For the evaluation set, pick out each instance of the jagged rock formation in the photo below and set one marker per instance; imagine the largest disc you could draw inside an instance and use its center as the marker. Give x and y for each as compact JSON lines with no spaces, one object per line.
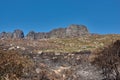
{"x":41,"y":35}
{"x":31,"y":35}
{"x":5,"y":35}
{"x":76,"y":30}
{"x":18,"y":34}
{"x":71,"y":31}
{"x":58,"y":33}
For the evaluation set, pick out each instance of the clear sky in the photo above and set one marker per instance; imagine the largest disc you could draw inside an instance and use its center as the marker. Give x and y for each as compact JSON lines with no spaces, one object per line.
{"x":100,"y":16}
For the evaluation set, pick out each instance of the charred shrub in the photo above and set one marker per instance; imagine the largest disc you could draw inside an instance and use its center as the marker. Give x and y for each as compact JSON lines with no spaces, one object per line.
{"x":108,"y":60}
{"x":11,"y":65}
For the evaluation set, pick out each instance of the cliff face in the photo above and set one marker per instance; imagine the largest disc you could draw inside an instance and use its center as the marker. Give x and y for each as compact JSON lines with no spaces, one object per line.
{"x":57,"y":33}
{"x":76,"y":31}
{"x":31,"y":35}
{"x":17,"y":34}
{"x":6,"y":35}
{"x":71,"y":31}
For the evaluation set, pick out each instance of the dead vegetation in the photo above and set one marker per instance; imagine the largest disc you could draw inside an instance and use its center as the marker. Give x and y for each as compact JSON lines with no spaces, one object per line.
{"x":108,"y":60}
{"x":61,"y":59}
{"x":12,"y":65}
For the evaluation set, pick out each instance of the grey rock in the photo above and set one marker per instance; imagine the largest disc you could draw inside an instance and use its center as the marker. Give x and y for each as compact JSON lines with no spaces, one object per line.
{"x":76,"y":30}
{"x":5,"y":35}
{"x":9,"y":35}
{"x":31,"y":35}
{"x":71,"y":31}
{"x":41,"y":35}
{"x":18,"y":34}
{"x":58,"y":33}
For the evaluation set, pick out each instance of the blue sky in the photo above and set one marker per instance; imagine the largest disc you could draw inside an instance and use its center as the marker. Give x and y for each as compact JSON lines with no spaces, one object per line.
{"x":100,"y":16}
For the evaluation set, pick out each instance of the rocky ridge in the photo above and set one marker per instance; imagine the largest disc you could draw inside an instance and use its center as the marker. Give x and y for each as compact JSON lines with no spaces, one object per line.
{"x":71,"y":31}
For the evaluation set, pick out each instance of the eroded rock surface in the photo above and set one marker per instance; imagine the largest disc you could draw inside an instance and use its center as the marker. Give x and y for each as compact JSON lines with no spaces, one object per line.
{"x":71,"y":31}
{"x":76,"y":30}
{"x":18,"y":34}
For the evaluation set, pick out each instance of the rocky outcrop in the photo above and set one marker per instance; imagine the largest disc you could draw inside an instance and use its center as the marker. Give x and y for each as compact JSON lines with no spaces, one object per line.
{"x":5,"y":35}
{"x":42,"y":35}
{"x":31,"y":35}
{"x":58,"y":33}
{"x":71,"y":31}
{"x":18,"y":34}
{"x":76,"y":30}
